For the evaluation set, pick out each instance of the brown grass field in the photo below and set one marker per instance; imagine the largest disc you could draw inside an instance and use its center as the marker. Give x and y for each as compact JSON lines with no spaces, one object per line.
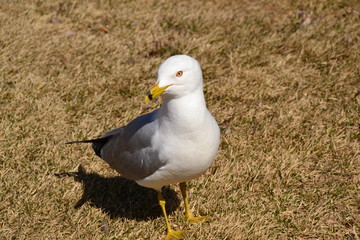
{"x":282,"y":78}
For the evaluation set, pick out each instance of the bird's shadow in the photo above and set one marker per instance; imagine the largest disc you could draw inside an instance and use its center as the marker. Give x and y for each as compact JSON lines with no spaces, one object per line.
{"x":119,"y":197}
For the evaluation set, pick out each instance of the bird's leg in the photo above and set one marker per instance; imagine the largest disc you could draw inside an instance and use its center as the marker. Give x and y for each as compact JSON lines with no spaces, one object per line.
{"x":188,"y":214}
{"x":171,"y":234}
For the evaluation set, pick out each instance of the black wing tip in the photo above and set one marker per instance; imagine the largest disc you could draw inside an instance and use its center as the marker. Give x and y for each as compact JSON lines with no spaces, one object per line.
{"x":97,"y":144}
{"x":83,"y":141}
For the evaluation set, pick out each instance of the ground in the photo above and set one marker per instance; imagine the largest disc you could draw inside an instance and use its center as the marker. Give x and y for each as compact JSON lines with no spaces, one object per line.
{"x":282,"y":78}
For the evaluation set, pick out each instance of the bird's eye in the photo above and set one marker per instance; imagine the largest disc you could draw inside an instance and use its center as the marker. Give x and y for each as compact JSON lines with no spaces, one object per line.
{"x":179,"y":73}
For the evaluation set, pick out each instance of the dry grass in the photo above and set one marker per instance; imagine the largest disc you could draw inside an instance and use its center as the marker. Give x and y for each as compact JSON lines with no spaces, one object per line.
{"x":281,"y":77}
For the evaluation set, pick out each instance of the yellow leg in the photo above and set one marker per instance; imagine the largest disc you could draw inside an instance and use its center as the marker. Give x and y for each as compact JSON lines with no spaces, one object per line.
{"x":188,"y":214}
{"x":171,"y":234}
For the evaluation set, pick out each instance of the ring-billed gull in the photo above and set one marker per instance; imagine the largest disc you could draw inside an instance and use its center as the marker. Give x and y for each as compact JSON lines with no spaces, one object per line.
{"x":173,"y":144}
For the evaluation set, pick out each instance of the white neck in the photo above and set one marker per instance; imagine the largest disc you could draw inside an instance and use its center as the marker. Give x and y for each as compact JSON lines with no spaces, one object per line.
{"x":190,"y":108}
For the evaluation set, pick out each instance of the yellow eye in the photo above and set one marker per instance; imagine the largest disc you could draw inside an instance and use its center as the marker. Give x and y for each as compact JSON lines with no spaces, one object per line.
{"x":179,"y":73}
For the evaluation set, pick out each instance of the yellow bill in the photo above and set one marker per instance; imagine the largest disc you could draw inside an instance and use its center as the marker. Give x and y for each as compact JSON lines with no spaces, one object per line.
{"x":154,"y":92}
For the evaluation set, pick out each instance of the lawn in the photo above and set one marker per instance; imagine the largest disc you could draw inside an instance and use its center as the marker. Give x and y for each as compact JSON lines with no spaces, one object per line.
{"x":282,"y":78}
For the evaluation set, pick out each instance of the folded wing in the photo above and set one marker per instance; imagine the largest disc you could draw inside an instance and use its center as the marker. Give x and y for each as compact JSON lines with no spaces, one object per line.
{"x":130,"y":149}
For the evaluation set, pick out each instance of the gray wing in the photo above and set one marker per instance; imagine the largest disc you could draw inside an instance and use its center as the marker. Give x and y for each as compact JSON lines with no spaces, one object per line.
{"x":129,"y":149}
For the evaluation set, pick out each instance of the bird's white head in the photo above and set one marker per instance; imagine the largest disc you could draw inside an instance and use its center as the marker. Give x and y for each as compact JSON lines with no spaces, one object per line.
{"x":178,"y":76}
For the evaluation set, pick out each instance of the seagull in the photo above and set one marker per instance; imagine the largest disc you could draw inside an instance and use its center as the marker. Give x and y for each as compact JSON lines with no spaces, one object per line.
{"x":172,"y":144}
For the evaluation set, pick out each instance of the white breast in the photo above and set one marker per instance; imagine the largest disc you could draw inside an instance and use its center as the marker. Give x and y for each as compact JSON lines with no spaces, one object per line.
{"x":189,"y":154}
